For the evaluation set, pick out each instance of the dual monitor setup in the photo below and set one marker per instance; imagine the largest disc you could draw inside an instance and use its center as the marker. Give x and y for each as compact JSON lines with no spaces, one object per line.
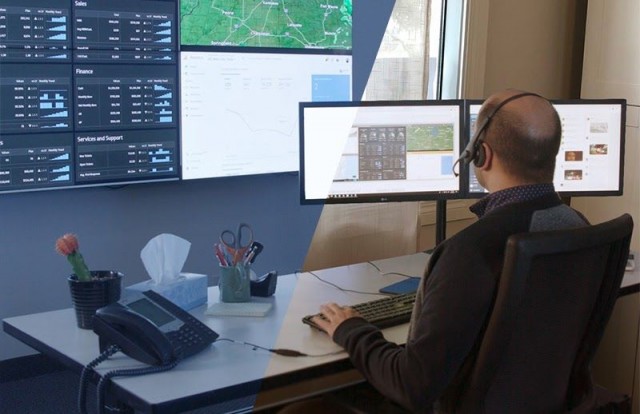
{"x":112,"y":92}
{"x":406,"y":150}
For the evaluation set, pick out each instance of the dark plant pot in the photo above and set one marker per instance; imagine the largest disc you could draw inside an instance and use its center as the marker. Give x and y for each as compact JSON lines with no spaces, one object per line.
{"x":87,"y":297}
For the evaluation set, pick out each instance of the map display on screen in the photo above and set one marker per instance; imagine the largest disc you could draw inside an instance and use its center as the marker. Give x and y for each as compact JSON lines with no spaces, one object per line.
{"x":309,"y":24}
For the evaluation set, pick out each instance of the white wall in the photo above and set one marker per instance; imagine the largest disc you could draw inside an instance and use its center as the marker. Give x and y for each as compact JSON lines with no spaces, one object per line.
{"x":612,"y":70}
{"x":523,"y":44}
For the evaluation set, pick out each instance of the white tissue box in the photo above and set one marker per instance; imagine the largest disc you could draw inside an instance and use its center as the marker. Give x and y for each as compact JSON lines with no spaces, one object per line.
{"x":187,"y":292}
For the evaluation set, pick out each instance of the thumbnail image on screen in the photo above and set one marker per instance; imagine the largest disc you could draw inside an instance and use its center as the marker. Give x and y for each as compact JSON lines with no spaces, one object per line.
{"x":590,"y":161}
{"x":379,"y":151}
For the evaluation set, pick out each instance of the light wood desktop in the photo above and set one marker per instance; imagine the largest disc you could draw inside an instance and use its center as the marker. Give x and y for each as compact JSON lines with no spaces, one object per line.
{"x":232,"y":376}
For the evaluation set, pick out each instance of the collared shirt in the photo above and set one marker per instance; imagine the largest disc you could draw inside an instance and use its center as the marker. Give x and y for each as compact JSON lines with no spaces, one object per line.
{"x":509,"y":196}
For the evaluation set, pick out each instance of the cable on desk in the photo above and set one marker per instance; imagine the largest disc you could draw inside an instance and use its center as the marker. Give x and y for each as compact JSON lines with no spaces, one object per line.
{"x":389,"y":273}
{"x":344,"y":289}
{"x":280,"y":351}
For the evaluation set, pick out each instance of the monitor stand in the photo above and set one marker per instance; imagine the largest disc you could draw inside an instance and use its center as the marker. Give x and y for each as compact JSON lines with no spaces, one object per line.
{"x":441,"y":221}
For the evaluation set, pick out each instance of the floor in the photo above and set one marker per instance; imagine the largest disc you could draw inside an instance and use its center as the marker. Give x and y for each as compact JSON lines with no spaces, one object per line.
{"x":51,"y":392}
{"x":38,"y":385}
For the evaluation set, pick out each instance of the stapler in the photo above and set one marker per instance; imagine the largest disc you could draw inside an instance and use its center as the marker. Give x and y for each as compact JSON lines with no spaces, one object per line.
{"x":265,"y":286}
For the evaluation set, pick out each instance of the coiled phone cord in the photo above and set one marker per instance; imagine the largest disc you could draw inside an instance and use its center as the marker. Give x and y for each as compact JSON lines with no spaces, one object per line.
{"x":84,"y":376}
{"x":102,"y":384}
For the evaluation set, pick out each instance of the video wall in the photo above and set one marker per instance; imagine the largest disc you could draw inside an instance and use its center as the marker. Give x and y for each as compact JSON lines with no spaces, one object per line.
{"x":106,"y":92}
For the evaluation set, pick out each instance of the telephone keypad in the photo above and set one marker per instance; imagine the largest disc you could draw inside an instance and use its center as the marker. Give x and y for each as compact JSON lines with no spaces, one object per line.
{"x":193,"y":336}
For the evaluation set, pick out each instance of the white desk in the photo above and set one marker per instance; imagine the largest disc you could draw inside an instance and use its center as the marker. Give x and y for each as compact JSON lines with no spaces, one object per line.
{"x":232,"y":377}
{"x":228,"y":375}
{"x":631,"y":281}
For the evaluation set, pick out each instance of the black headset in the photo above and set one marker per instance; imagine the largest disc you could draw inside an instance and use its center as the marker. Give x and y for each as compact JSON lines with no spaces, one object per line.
{"x":474,"y":150}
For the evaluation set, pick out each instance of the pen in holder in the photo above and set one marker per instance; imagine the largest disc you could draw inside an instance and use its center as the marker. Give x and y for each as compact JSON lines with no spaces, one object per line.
{"x":234,"y":283}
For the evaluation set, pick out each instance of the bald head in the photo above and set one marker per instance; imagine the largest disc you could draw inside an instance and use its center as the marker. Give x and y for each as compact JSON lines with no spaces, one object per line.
{"x":524,"y":135}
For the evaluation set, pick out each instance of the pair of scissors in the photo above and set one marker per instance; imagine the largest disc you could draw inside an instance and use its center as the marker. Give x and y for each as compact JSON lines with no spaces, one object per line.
{"x":237,"y":244}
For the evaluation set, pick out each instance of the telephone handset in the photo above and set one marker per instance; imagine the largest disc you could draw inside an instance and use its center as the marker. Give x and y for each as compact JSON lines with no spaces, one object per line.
{"x":152,"y":329}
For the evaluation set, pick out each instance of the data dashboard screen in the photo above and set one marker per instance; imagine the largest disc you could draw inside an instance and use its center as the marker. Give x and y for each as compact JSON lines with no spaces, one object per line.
{"x":379,"y":151}
{"x":590,"y":161}
{"x":106,"y":92}
{"x":88,"y":93}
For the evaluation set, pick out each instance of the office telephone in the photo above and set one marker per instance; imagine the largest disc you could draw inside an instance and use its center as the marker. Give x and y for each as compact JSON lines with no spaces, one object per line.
{"x":150,"y":328}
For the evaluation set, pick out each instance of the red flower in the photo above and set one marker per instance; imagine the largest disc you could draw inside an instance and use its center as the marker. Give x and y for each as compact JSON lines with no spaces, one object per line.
{"x":67,"y":244}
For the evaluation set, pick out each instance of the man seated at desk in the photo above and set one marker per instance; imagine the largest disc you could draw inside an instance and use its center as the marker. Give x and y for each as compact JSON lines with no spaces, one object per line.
{"x":514,"y":153}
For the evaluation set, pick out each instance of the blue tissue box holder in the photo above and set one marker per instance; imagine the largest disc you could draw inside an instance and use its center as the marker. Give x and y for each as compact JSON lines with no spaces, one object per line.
{"x":188,"y":292}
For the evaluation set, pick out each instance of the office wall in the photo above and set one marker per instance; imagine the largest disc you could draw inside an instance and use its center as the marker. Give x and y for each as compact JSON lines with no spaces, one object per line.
{"x":113,"y":225}
{"x":530,"y":45}
{"x":356,"y":233}
{"x":612,"y":69}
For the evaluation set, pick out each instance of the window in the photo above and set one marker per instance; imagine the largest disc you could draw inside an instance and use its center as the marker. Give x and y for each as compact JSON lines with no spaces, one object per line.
{"x":409,"y":57}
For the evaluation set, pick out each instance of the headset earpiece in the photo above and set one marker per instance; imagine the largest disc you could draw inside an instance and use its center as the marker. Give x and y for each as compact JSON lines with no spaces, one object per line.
{"x":480,"y":155}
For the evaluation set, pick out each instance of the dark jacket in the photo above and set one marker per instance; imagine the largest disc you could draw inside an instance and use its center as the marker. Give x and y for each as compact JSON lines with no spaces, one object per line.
{"x":455,"y":298}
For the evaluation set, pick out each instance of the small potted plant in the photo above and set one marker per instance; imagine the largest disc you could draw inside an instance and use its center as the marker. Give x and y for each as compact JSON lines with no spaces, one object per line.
{"x":90,"y":290}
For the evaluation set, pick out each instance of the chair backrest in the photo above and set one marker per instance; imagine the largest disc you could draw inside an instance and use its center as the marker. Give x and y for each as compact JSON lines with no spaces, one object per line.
{"x":555,"y":295}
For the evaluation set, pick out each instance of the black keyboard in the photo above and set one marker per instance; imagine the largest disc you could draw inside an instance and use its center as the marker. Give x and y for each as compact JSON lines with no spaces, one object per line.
{"x":385,"y":312}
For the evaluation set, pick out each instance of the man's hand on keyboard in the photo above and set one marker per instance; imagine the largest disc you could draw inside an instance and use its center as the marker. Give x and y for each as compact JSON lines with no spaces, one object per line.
{"x":334,"y":315}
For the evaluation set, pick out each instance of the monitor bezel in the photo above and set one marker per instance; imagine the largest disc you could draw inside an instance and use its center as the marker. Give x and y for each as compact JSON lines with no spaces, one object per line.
{"x":590,"y":193}
{"x":379,"y":198}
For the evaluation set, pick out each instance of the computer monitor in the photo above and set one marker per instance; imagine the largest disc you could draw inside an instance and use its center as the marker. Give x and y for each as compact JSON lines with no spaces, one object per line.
{"x":240,"y":108}
{"x":379,"y":151}
{"x":243,"y":72}
{"x":88,"y":93}
{"x":111,"y":92}
{"x":590,"y":161}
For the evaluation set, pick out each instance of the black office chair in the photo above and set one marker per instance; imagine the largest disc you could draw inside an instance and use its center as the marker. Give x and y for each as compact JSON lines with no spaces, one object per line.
{"x":555,"y":296}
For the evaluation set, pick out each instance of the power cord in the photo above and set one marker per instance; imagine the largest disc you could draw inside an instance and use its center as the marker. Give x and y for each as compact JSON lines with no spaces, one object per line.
{"x":360,"y":291}
{"x":340,"y":288}
{"x":280,"y":351}
{"x":390,"y":273}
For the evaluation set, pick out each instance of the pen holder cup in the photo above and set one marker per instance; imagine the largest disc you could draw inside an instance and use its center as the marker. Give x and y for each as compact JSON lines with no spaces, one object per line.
{"x":235,"y":283}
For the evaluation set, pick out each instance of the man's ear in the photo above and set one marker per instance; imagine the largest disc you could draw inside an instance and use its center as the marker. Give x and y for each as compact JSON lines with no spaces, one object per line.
{"x":485,"y":157}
